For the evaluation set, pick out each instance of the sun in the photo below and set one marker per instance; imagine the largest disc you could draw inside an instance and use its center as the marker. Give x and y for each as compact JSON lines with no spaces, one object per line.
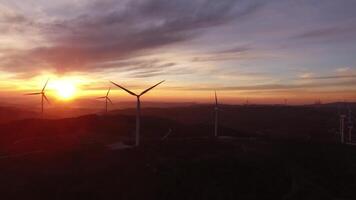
{"x":65,"y":89}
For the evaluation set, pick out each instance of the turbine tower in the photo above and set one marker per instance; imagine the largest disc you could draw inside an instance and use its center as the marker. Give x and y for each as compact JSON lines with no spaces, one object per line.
{"x":138,"y":108}
{"x":43,"y":95}
{"x":107,"y":99}
{"x":216,"y":110}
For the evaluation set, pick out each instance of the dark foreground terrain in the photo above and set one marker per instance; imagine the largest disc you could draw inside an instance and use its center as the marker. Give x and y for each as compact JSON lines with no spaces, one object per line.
{"x":186,"y":169}
{"x":265,"y":153}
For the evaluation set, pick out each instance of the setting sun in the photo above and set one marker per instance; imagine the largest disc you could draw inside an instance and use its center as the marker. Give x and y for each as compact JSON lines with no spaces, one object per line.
{"x":65,"y":89}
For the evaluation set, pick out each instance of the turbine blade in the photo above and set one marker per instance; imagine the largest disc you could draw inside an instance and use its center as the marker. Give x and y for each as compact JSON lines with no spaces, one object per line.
{"x":44,"y":87}
{"x":128,"y":91}
{"x":101,"y":97}
{"x":34,"y":93}
{"x":150,"y":88}
{"x":109,"y":100}
{"x":107,"y":94}
{"x":46,"y":99}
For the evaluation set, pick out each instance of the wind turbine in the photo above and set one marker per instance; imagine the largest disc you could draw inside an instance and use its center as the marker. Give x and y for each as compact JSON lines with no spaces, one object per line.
{"x":107,"y":99}
{"x":43,"y":95}
{"x":350,"y":124}
{"x":138,"y":108}
{"x":216,"y":110}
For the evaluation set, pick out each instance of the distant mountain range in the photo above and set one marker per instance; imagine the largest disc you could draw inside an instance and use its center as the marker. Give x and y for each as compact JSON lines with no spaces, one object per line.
{"x":183,"y":112}
{"x":8,"y":114}
{"x":281,"y":122}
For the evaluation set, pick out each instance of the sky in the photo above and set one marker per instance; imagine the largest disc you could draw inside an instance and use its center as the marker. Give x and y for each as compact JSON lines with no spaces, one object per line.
{"x":257,"y":50}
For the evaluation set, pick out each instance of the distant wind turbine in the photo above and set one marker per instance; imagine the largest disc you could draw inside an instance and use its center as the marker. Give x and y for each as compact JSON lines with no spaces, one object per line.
{"x":138,"y":108}
{"x":350,"y":124}
{"x":216,"y":110}
{"x":107,"y":99}
{"x":43,"y":95}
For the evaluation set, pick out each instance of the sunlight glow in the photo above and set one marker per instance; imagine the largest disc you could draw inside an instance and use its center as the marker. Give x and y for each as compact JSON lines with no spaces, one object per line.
{"x":65,"y":89}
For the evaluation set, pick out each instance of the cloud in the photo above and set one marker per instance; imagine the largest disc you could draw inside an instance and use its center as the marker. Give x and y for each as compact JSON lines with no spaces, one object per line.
{"x":335,"y":77}
{"x":307,"y":75}
{"x":338,"y":73}
{"x":276,"y":87}
{"x":343,"y":69}
{"x":111,"y":31}
{"x":10,"y":16}
{"x":328,"y":33}
{"x":237,"y":49}
{"x":224,"y":54}
{"x":150,"y":69}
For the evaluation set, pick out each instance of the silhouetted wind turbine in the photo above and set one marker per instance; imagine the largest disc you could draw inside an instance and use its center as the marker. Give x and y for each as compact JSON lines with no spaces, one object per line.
{"x":43,"y":95}
{"x":350,"y":124}
{"x":138,"y":108}
{"x":216,"y":110}
{"x":107,"y":99}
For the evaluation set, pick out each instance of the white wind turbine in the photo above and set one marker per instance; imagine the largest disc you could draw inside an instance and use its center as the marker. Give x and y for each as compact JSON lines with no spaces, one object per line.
{"x":107,"y":99}
{"x":138,"y":108}
{"x":216,"y":112}
{"x":43,"y":95}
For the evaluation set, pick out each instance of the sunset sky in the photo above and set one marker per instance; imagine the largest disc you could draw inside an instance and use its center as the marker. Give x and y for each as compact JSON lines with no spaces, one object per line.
{"x":264,"y":51}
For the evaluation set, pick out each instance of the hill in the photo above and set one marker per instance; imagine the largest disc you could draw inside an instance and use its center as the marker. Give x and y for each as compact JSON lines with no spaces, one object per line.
{"x":266,"y":152}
